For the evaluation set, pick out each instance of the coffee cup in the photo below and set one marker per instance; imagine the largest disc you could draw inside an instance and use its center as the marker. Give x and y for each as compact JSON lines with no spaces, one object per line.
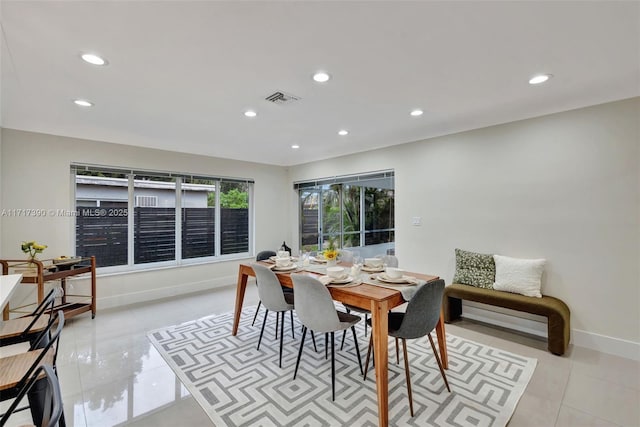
{"x":373,"y":262}
{"x":283,"y":262}
{"x":394,"y":273}
{"x":335,"y":272}
{"x":283,"y":254}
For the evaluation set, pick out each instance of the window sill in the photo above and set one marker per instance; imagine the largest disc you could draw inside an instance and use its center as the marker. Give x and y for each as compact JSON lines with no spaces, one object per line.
{"x":159,"y":266}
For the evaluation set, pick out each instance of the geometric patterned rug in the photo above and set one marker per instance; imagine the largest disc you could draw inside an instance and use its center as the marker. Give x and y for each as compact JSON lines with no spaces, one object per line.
{"x":239,"y":386}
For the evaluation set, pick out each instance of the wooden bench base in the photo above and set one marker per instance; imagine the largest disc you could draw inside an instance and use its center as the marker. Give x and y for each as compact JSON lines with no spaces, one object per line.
{"x":555,"y":310}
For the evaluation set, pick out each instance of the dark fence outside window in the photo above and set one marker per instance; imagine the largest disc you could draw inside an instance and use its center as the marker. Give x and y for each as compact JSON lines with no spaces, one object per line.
{"x":102,"y":236}
{"x":154,"y":235}
{"x":235,"y":230}
{"x":198,"y":232}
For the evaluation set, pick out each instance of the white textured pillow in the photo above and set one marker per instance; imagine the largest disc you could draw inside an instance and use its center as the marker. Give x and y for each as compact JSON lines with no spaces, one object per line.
{"x":520,"y":276}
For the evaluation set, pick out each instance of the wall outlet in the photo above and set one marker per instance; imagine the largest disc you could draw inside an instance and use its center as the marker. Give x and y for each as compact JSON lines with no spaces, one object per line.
{"x":416,"y":220}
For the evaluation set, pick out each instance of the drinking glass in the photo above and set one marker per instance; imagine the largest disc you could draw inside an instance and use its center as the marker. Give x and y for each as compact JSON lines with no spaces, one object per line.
{"x":357,"y":265}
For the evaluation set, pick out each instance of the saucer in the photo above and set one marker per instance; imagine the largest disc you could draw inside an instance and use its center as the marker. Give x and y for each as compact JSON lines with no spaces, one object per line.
{"x":340,"y":280}
{"x":409,"y":280}
{"x":287,"y":268}
{"x":372,"y":269}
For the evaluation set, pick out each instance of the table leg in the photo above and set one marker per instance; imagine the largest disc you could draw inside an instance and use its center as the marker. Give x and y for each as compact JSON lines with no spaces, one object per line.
{"x":242,"y":287}
{"x":380,"y":332}
{"x":442,"y":341}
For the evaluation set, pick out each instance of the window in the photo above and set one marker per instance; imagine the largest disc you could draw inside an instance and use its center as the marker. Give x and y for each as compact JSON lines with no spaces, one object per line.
{"x":355,"y":211}
{"x":143,"y":217}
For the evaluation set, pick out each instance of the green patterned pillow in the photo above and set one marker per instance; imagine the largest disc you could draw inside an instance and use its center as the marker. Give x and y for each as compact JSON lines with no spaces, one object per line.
{"x":475,"y":269}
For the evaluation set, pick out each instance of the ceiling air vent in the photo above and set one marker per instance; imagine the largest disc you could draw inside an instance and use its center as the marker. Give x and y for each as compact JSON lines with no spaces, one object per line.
{"x":282,"y":98}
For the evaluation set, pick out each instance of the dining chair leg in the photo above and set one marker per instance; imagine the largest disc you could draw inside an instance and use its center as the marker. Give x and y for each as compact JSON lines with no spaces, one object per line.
{"x":333,"y":370}
{"x":264,"y":322}
{"x":366,"y":364}
{"x":366,"y":317}
{"x":277,"y":322}
{"x":444,"y":376}
{"x":313,"y":338}
{"x":397,"y":353}
{"x":292,"y":335}
{"x":281,"y":338}
{"x":344,"y":333}
{"x":355,"y":340}
{"x":256,"y":315}
{"x":304,"y":334}
{"x":407,"y":374}
{"x":326,"y":345}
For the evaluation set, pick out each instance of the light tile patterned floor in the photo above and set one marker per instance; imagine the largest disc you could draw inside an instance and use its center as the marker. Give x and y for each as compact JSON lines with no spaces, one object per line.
{"x":111,"y":374}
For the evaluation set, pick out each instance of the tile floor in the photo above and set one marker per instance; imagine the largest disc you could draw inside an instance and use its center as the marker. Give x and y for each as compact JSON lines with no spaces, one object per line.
{"x":111,"y":375}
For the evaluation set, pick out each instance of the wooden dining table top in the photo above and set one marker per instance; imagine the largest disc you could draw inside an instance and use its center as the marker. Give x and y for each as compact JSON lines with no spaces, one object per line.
{"x":358,"y":296}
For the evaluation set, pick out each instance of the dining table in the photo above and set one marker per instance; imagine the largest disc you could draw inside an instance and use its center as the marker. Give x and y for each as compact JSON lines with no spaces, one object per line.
{"x":8,"y":285}
{"x":377,"y":299}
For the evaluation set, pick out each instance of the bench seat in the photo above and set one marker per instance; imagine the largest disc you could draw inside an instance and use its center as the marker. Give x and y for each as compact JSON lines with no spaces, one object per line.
{"x":555,"y":310}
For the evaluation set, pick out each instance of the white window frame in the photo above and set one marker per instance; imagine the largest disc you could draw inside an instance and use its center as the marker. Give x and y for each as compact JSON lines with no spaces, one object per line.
{"x":132,"y":202}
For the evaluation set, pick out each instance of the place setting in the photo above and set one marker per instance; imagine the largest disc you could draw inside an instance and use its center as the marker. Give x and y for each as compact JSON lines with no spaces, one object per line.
{"x":339,"y":277}
{"x":373,"y":265}
{"x":283,"y":262}
{"x":395,"y":276}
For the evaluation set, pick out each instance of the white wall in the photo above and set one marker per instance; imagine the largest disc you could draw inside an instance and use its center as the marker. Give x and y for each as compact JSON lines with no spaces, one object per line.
{"x":564,"y":187}
{"x":35,"y":174}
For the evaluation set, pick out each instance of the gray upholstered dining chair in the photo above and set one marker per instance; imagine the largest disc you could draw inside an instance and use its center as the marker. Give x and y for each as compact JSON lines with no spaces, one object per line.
{"x":420,"y":318}
{"x":271,"y":295}
{"x":262,"y":256}
{"x":316,"y":312}
{"x":345,"y":255}
{"x":388,"y":260}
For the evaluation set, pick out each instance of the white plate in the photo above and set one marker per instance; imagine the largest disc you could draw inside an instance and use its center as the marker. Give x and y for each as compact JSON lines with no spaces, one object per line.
{"x":409,"y":280}
{"x":292,"y":258}
{"x":289,"y":268}
{"x":341,"y":281}
{"x":372,"y":269}
{"x":321,"y":260}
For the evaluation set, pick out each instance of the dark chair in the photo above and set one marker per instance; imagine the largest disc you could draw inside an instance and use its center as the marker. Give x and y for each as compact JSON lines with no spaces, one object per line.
{"x":274,"y":299}
{"x":17,"y":369}
{"x":262,"y":256}
{"x":52,"y":407}
{"x":316,"y":312}
{"x":420,"y":318}
{"x":27,"y":328}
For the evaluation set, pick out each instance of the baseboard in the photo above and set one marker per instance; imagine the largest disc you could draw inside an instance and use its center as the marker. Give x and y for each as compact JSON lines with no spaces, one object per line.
{"x":537,"y":325}
{"x":616,"y":346}
{"x":164,"y":292}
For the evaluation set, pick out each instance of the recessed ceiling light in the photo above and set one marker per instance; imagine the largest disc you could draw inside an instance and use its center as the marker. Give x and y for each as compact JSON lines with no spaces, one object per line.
{"x":295,"y":146}
{"x":540,"y":78}
{"x":321,"y":77}
{"x":416,"y":113}
{"x":343,"y":132}
{"x":83,"y":103}
{"x":250,"y":113}
{"x":93,"y":59}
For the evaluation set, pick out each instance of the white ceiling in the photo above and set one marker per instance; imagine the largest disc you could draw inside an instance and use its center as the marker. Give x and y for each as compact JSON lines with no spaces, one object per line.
{"x":181,"y":74}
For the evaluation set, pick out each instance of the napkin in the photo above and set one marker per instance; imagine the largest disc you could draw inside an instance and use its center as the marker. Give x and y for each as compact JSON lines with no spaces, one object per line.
{"x":407,"y":291}
{"x":325,"y":280}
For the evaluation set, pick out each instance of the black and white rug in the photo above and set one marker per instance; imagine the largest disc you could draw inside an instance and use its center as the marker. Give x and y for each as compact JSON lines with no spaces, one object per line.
{"x":238,"y":385}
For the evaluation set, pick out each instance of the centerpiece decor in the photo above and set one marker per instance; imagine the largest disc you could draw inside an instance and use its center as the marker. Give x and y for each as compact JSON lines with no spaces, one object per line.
{"x":32,"y":249}
{"x":330,"y":252}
